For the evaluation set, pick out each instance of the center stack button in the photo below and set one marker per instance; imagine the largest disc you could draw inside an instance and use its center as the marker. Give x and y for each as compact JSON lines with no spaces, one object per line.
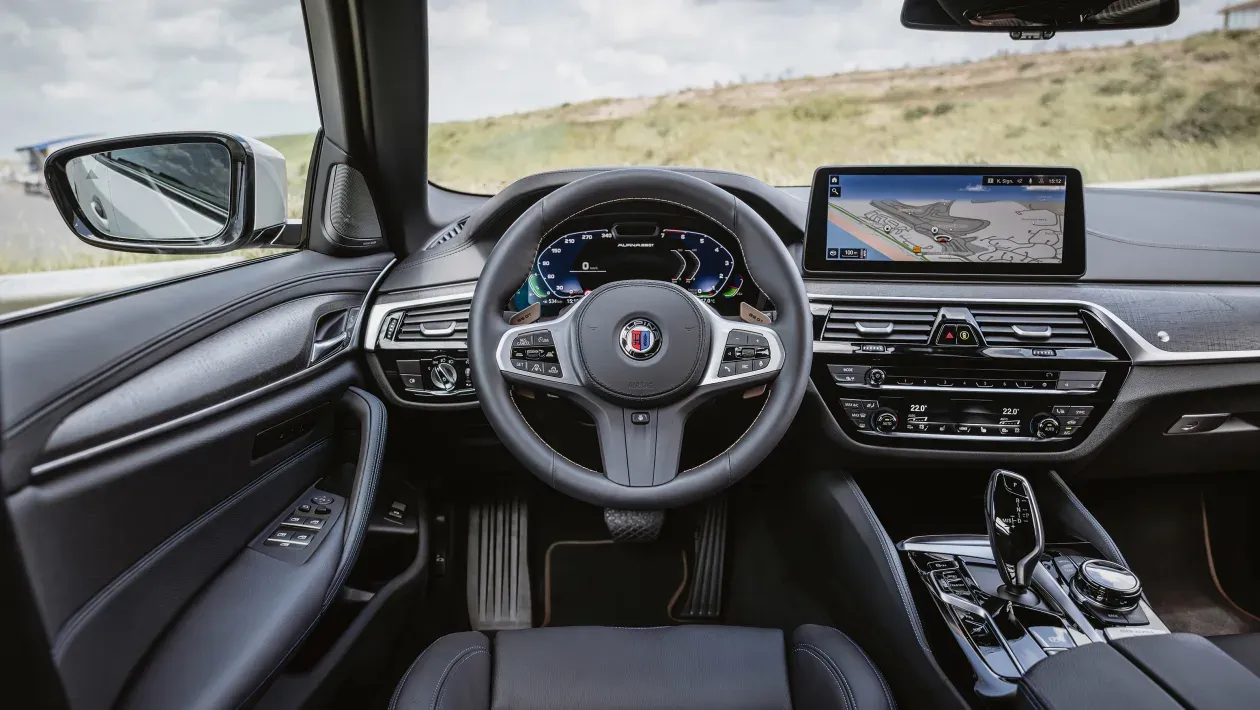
{"x":875,"y":377}
{"x":884,"y":421}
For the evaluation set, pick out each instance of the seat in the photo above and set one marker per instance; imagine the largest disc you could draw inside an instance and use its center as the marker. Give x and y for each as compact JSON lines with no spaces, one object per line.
{"x":1244,"y":648}
{"x":682,"y":668}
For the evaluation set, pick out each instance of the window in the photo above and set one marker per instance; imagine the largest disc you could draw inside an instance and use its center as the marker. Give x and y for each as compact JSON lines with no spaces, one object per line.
{"x":775,"y":89}
{"x":70,"y":72}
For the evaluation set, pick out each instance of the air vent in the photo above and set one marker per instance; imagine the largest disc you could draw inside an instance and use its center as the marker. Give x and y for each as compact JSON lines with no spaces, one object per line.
{"x":1033,"y":326}
{"x":444,"y":237}
{"x":448,"y":321}
{"x":906,"y":324}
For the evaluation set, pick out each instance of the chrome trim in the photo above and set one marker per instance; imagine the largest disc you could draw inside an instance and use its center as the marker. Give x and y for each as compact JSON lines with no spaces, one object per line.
{"x":983,"y":390}
{"x":967,"y":437}
{"x":1033,"y":334}
{"x":1140,"y":349}
{"x":872,"y":330}
{"x":428,"y":332}
{"x":381,"y":311}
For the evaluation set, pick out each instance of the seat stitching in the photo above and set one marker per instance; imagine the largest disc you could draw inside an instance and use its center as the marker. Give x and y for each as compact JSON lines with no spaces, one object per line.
{"x":398,"y":691}
{"x":838,"y":677}
{"x":450,"y":671}
{"x":894,"y":567}
{"x":883,"y":683}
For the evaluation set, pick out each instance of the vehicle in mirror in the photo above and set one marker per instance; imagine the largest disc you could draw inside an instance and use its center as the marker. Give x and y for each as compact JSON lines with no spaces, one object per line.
{"x":172,"y":194}
{"x":1036,"y":19}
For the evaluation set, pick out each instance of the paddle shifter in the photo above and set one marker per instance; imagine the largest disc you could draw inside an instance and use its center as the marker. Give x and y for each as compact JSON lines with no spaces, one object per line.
{"x":1015,"y":532}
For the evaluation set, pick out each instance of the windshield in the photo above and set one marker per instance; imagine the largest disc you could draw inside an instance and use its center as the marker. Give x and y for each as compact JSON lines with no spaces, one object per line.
{"x":775,"y":89}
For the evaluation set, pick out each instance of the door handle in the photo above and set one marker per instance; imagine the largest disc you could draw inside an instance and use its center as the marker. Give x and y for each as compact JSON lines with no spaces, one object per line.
{"x":332,"y":332}
{"x":323,"y":348}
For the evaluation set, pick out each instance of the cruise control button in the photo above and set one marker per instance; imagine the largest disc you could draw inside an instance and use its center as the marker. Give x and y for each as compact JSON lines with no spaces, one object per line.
{"x":522,"y":341}
{"x":552,"y":369}
{"x":535,"y":368}
{"x":520,"y":364}
{"x":542,"y":338}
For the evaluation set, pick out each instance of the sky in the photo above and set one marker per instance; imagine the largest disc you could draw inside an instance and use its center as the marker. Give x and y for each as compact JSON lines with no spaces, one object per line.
{"x":134,"y":66}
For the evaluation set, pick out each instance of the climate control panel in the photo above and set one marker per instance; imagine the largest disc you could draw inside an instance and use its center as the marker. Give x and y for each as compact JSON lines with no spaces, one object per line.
{"x":967,"y":403}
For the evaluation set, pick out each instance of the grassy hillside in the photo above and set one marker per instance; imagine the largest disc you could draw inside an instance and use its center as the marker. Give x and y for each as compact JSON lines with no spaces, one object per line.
{"x":1154,"y":110}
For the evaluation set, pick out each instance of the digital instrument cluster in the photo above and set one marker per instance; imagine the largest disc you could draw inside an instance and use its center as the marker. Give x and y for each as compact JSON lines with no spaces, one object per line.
{"x":680,"y":251}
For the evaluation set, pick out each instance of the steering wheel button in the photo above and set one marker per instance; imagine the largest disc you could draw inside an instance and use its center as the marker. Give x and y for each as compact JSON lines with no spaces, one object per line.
{"x":737,"y":337}
{"x":520,"y":364}
{"x":760,"y":364}
{"x":542,"y":337}
{"x":726,"y":369}
{"x":535,"y":368}
{"x":522,"y":341}
{"x":758,"y":341}
{"x":743,"y":367}
{"x":640,"y":417}
{"x":551,"y":369}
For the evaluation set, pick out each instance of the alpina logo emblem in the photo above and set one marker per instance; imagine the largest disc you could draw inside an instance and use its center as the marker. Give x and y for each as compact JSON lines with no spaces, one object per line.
{"x":640,"y":339}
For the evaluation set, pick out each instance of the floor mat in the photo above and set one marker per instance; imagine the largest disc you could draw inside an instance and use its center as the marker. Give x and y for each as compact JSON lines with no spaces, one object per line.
{"x":606,"y":583}
{"x":1160,"y":532}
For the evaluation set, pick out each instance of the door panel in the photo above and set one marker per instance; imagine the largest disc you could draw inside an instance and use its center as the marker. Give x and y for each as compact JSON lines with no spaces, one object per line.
{"x":149,"y":437}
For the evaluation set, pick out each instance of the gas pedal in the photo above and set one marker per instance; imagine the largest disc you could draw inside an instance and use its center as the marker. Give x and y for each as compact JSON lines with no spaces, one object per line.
{"x":704,"y":601}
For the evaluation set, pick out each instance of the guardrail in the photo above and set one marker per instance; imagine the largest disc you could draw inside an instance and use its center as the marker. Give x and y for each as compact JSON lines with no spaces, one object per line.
{"x":40,"y":288}
{"x":1221,"y":182}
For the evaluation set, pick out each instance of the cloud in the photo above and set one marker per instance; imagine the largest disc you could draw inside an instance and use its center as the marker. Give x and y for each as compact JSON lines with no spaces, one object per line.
{"x":976,"y":188}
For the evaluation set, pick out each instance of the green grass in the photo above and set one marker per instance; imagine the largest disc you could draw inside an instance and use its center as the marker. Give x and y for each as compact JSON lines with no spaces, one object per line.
{"x":1155,"y":110}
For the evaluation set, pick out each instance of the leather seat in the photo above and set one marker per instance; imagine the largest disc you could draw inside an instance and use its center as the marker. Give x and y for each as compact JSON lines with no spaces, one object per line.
{"x":682,"y":667}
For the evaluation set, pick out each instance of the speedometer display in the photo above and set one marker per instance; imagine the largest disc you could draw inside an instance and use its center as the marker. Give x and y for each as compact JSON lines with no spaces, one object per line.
{"x":571,"y":266}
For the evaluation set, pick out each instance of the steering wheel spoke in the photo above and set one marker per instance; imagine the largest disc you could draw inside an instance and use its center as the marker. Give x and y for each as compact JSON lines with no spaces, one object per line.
{"x":639,"y":446}
{"x":539,"y":355}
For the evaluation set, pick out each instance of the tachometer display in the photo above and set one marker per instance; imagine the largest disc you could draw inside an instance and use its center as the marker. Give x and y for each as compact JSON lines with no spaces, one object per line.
{"x":578,"y":263}
{"x":572,"y":265}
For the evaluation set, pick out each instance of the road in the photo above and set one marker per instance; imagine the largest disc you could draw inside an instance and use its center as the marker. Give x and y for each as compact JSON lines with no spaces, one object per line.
{"x":31,"y":230}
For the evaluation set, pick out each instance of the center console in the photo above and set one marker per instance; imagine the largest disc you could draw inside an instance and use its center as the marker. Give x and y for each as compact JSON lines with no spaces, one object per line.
{"x":967,"y":376}
{"x":1010,"y":601}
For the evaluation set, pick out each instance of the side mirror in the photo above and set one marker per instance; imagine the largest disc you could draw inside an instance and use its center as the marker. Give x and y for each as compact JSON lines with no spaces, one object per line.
{"x":172,"y":193}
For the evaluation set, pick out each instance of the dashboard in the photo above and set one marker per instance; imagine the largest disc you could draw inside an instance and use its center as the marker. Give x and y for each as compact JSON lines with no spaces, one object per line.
{"x":1162,"y":321}
{"x":583,"y":254}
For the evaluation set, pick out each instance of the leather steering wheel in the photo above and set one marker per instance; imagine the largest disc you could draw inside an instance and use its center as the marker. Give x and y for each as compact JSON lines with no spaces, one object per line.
{"x":640,"y":356}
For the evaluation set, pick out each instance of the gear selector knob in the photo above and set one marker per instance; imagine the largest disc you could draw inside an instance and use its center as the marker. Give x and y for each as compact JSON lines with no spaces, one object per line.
{"x":1015,"y":532}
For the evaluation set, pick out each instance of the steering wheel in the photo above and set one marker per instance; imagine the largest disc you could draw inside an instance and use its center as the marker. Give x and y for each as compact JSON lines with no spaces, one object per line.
{"x":640,"y":356}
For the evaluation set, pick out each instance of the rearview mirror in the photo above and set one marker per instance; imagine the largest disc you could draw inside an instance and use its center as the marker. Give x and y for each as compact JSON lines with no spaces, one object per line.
{"x":1037,"y":19}
{"x":179,"y":193}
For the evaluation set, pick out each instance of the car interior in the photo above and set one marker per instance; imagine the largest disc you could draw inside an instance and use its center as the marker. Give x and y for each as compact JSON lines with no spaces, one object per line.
{"x":633,"y":437}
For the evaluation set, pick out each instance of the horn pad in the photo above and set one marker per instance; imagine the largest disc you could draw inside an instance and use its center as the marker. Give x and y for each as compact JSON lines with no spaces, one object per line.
{"x":641,"y":343}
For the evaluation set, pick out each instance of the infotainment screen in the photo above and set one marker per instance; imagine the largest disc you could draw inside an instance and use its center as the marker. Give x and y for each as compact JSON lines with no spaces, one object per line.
{"x":946,"y":221}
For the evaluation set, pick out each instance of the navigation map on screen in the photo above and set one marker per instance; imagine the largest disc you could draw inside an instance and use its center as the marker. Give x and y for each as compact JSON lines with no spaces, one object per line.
{"x":1013,"y":219}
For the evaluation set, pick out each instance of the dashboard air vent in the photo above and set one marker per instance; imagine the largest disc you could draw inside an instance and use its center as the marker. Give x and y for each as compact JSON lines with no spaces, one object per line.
{"x":878,"y":322}
{"x":445,"y":321}
{"x":1046,"y":326}
{"x":450,"y":233}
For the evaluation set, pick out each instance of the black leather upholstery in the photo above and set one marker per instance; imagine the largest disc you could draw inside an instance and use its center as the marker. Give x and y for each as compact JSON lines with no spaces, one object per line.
{"x":1244,"y":648}
{"x":684,"y":668}
{"x":1195,"y":672}
{"x":1091,"y":677}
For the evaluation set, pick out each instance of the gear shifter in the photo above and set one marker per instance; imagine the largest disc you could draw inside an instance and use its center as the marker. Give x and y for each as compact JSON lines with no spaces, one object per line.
{"x":1015,"y":532}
